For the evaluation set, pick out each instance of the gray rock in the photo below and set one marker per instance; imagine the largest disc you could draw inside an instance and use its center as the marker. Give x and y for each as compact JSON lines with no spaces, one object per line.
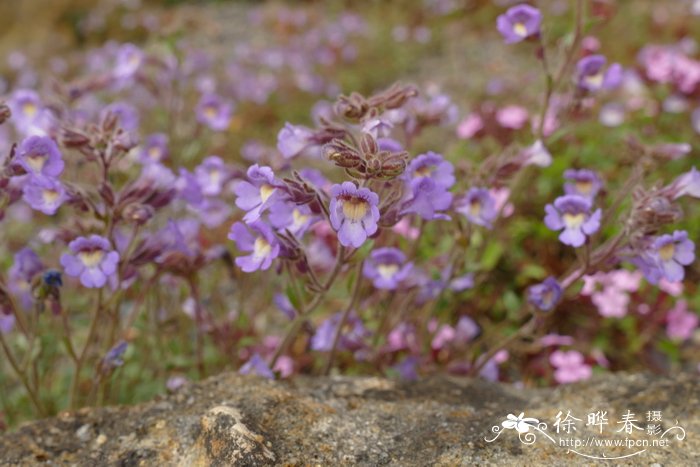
{"x":237,"y":420}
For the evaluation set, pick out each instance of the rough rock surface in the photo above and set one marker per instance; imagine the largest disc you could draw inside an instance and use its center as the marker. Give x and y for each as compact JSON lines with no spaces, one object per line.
{"x":236,"y":420}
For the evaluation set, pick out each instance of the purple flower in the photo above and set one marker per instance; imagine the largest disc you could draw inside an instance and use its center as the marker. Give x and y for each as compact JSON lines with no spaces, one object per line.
{"x":39,"y":155}
{"x":154,"y":149}
{"x":537,"y":154}
{"x":129,"y":59}
{"x":188,"y":188}
{"x":292,"y":140}
{"x":519,"y":22}
{"x":680,"y":322}
{"x":591,"y":75}
{"x":283,"y":304}
{"x":27,"y":110}
{"x":7,"y":321}
{"x":354,"y":213}
{"x":672,"y":253}
{"x":570,"y":366}
{"x":584,"y":183}
{"x":479,"y":207}
{"x":431,"y":165}
{"x":127,"y":115}
{"x":546,"y":295}
{"x":44,"y":194}
{"x":289,"y":216}
{"x":386,"y":268}
{"x":214,"y":112}
{"x":466,"y":330}
{"x":211,"y":175}
{"x":378,"y":127}
{"x":256,"y":365}
{"x":260,"y":240}
{"x":572,"y":213}
{"x":114,"y":357}
{"x":408,"y":368}
{"x":352,"y":338}
{"x":426,"y":199}
{"x":26,"y":266}
{"x":92,"y":259}
{"x":256,"y":194}
{"x":687,"y":184}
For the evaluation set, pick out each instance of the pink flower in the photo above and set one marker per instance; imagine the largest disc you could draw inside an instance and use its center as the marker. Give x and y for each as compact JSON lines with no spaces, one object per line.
{"x":470,"y":126}
{"x":680,"y":323}
{"x":570,"y":366}
{"x":403,"y":228}
{"x":612,"y":297}
{"x":512,"y":116}
{"x":556,"y":339}
{"x":672,"y":288}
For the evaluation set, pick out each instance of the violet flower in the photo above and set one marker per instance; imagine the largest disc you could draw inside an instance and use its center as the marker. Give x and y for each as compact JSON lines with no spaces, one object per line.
{"x":583,"y":182}
{"x":256,"y":365}
{"x":352,"y":336}
{"x":545,"y":295}
{"x":256,"y":194}
{"x":591,"y":75}
{"x":129,"y":59}
{"x":39,"y":155}
{"x":289,"y":216}
{"x":386,"y":268}
{"x":44,"y":194}
{"x":92,"y":259}
{"x":211,"y":175}
{"x":479,"y":207}
{"x":519,"y":22}
{"x":687,"y":184}
{"x":427,"y":199}
{"x":431,"y":165}
{"x":354,"y":213}
{"x":572,"y":213}
{"x":214,"y":112}
{"x":154,"y":148}
{"x":672,"y":253}
{"x":126,"y":114}
{"x":258,"y":238}
{"x":292,"y":140}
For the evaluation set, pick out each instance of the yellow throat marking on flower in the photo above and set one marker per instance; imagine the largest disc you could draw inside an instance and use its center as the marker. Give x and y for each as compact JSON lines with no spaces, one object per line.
{"x":298,"y":218}
{"x":210,"y":111}
{"x":91,"y":258}
{"x":29,"y":109}
{"x":574,"y":221}
{"x":355,"y":209}
{"x":266,"y":191}
{"x":475,"y":208}
{"x":261,"y":248}
{"x":595,"y":80}
{"x":387,"y":271}
{"x":584,"y":187}
{"x":425,"y":171}
{"x":154,"y":153}
{"x":520,"y":29}
{"x":50,"y":196}
{"x":215,"y":177}
{"x":667,"y":251}
{"x":36,"y":162}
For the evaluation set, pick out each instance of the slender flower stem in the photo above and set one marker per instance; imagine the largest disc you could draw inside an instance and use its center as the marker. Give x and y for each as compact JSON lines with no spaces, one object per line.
{"x":344,"y":317}
{"x":303,"y":314}
{"x":22,"y":377}
{"x":83,"y":354}
{"x":524,"y":330}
